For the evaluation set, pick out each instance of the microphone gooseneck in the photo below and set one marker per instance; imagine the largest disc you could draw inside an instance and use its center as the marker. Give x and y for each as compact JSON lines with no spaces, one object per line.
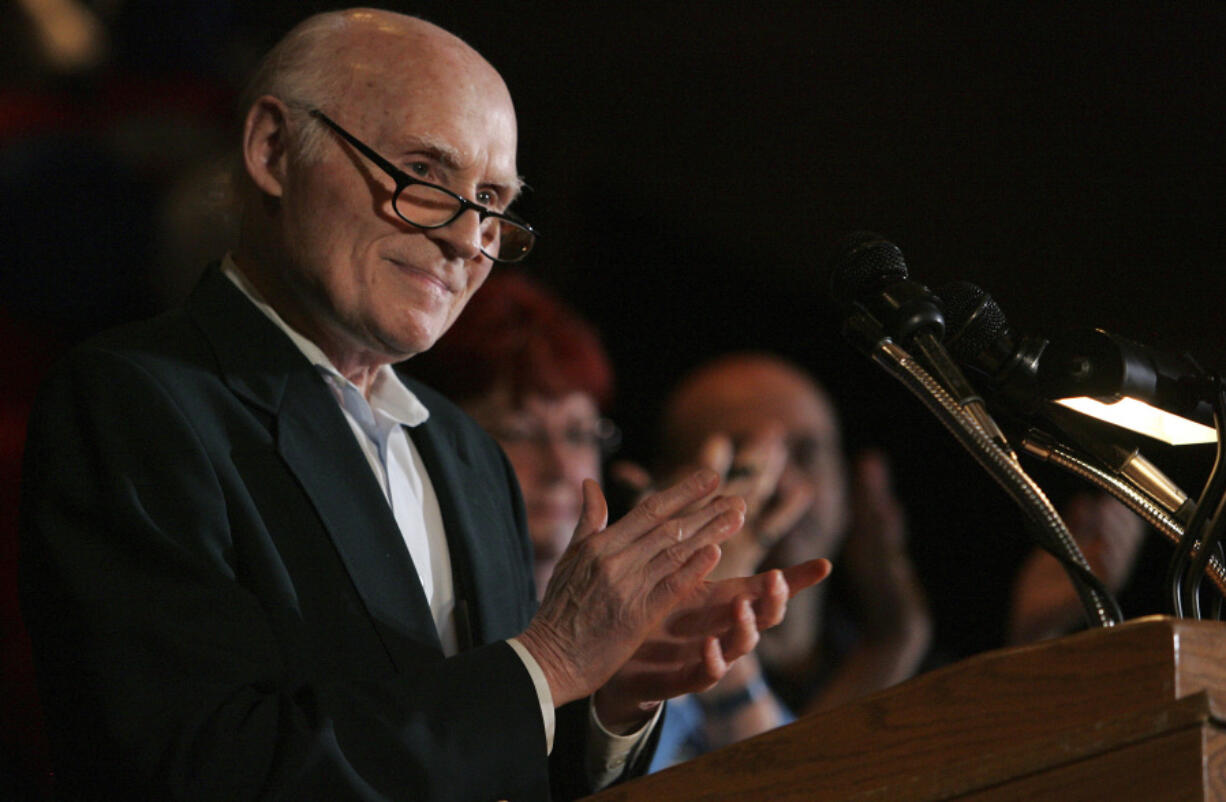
{"x":982,"y":340}
{"x":885,"y":311}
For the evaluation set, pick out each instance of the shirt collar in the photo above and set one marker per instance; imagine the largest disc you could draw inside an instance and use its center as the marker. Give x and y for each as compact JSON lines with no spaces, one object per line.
{"x":387,"y":393}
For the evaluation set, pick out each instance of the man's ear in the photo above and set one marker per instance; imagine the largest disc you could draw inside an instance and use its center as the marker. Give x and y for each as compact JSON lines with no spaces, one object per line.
{"x":265,"y":144}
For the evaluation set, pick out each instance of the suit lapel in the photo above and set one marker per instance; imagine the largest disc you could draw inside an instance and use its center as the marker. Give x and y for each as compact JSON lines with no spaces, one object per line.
{"x":481,"y":555}
{"x":317,"y":445}
{"x":353,"y":509}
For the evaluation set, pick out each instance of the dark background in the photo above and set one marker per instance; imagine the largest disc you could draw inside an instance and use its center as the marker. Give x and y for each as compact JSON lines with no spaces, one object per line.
{"x":691,"y":166}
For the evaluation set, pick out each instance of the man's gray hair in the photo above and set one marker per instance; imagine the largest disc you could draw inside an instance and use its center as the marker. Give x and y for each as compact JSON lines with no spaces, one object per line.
{"x":301,"y":72}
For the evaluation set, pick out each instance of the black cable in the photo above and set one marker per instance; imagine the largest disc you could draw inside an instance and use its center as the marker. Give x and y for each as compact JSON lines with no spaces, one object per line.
{"x":1211,"y":542}
{"x":1080,"y":574}
{"x":1214,"y":486}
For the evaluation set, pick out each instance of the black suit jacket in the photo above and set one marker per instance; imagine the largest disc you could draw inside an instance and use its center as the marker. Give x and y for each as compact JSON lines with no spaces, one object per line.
{"x":221,"y":604}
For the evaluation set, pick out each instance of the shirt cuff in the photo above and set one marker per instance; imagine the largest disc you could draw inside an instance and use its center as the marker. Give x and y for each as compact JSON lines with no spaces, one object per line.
{"x":543,"y":694}
{"x":607,"y":752}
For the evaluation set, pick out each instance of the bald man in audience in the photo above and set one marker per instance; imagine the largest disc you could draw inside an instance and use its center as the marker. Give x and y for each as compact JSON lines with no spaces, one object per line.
{"x":718,"y":416}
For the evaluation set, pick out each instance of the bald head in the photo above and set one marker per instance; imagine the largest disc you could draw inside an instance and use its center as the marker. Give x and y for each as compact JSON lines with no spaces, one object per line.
{"x":740,"y":393}
{"x":365,"y":55}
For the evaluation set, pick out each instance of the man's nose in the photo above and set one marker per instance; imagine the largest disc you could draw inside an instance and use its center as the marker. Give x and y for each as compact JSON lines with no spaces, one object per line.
{"x":461,"y":238}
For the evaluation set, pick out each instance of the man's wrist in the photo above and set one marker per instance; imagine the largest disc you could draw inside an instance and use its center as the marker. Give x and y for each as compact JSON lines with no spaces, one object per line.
{"x":550,"y":660}
{"x":541,"y":685}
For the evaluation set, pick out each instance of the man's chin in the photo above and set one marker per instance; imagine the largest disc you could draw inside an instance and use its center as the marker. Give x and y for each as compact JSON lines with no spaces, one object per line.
{"x":400,"y":346}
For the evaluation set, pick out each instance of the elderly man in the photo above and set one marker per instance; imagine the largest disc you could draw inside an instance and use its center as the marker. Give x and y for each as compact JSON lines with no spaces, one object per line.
{"x":259,"y":563}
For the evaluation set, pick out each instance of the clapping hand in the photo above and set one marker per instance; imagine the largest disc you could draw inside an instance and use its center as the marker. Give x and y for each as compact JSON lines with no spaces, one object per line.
{"x":628,"y":605}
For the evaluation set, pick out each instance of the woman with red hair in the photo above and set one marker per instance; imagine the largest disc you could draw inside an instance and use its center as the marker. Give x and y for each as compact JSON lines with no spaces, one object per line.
{"x":534,"y":375}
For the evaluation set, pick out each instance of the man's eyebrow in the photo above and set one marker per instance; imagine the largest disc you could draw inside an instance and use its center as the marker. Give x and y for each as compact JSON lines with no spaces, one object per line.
{"x":511,"y":191}
{"x":450,"y":158}
{"x":436,"y":149}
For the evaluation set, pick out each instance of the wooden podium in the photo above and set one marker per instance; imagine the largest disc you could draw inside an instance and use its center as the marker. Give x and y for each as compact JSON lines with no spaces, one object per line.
{"x":1134,"y":712}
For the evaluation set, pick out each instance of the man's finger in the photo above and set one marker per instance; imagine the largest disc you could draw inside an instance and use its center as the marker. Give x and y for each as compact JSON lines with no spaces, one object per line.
{"x":762,"y":450}
{"x":716,"y":453}
{"x":871,"y":472}
{"x":679,"y":583}
{"x":666,"y":510}
{"x":784,"y":512}
{"x":595,"y":514}
{"x":806,"y":574}
{"x":743,"y":636}
{"x":757,"y":466}
{"x":671,"y":545}
{"x":772,"y":589}
{"x":659,"y":507}
{"x":771,"y":599}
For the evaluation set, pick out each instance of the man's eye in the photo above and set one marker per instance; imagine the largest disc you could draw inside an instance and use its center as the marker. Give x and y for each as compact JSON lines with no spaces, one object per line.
{"x":488,"y":199}
{"x":419,"y":169}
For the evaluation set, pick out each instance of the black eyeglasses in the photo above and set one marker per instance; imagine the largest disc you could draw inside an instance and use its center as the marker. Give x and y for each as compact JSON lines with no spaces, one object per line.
{"x":504,"y":237}
{"x":601,"y":435}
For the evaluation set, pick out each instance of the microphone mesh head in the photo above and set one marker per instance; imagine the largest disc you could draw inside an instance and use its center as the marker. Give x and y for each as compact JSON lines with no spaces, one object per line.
{"x":863,"y":261}
{"x":973,"y":319}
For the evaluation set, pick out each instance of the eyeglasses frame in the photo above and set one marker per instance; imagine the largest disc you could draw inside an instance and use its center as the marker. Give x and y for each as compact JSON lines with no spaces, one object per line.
{"x":608,"y":437}
{"x":403,"y":181}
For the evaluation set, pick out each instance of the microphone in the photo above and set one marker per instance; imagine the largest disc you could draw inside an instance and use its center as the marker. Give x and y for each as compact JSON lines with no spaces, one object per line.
{"x":881,"y":305}
{"x":1014,"y":366}
{"x":870,"y":285}
{"x":980,"y":338}
{"x":870,"y":276}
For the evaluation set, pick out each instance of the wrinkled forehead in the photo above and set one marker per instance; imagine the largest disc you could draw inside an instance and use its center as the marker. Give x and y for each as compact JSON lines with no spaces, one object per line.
{"x":798,"y":416}
{"x":407,"y":88}
{"x":741,"y":403}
